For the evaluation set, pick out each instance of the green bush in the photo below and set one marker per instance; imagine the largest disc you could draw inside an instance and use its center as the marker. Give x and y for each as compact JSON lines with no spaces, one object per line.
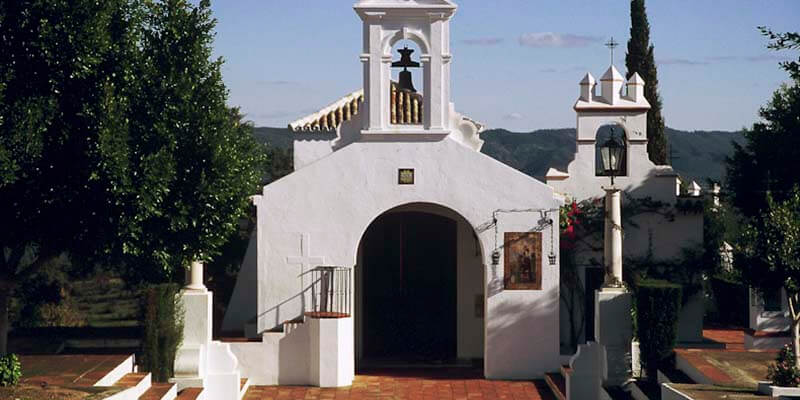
{"x":657,"y":306}
{"x":10,"y":370}
{"x":162,"y":322}
{"x":784,"y":372}
{"x":730,"y":298}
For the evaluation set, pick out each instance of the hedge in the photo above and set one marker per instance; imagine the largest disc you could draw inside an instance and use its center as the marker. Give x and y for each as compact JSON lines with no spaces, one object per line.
{"x":162,"y":322}
{"x":730,"y":298}
{"x":657,"y":306}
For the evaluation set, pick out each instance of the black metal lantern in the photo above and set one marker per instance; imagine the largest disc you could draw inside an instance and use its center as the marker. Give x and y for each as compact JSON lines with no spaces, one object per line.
{"x":611,"y":154}
{"x":495,"y":257}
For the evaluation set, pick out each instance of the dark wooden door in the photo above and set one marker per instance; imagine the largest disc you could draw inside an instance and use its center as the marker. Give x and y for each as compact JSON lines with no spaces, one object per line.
{"x":410,"y":287}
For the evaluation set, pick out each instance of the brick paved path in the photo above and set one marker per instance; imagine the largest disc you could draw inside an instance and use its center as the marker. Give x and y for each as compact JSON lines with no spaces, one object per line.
{"x":431,"y":384}
{"x":732,"y":338}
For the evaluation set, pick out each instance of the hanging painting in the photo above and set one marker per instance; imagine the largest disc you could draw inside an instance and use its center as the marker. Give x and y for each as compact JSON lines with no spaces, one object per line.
{"x":523,"y":260}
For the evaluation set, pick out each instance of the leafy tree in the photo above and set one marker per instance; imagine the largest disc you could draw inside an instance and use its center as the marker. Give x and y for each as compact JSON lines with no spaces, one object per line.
{"x":116,"y":143}
{"x":62,"y":152}
{"x":639,"y":58}
{"x":766,"y":161}
{"x":768,"y":254}
{"x":195,"y":162}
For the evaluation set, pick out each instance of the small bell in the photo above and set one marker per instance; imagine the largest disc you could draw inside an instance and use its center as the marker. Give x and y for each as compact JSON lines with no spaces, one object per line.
{"x":405,"y":81}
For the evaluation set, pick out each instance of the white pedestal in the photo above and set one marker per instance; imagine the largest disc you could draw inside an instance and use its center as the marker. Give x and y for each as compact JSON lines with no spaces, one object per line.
{"x":331,"y":352}
{"x":614,"y":330}
{"x":191,"y":359}
{"x":588,"y":371}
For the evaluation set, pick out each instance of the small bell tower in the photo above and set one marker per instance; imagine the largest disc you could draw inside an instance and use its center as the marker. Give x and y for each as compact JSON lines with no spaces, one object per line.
{"x":386,"y":103}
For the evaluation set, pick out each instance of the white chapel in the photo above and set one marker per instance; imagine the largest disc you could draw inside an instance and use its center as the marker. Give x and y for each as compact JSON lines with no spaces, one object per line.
{"x":395,"y":239}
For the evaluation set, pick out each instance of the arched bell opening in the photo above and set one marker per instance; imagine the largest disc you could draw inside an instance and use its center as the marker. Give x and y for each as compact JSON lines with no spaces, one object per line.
{"x":406,"y":100}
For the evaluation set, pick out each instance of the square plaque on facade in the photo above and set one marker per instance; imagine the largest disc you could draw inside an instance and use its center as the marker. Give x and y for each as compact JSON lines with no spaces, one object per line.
{"x":405,"y":176}
{"x":523,"y":261}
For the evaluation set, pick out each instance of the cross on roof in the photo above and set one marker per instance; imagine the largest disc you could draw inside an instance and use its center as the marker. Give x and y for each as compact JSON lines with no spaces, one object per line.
{"x":611,"y":44}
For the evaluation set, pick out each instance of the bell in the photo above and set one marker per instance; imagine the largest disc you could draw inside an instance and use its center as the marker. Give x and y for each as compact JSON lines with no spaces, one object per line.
{"x":405,"y":82}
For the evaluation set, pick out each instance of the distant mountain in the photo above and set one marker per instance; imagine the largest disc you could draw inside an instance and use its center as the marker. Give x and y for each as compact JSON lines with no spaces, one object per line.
{"x":697,"y":155}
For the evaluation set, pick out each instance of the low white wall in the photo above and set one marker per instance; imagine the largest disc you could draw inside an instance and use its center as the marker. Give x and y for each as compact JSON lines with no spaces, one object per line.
{"x":687,"y":368}
{"x":765,"y":343}
{"x":331,"y":353}
{"x":670,"y":393}
{"x":259,"y":361}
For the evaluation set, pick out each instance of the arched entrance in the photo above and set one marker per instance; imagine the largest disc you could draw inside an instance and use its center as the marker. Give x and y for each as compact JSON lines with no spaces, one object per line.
{"x":419,"y":289}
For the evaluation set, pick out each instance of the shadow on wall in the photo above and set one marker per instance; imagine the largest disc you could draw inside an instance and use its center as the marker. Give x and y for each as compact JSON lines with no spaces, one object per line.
{"x":522,"y":328}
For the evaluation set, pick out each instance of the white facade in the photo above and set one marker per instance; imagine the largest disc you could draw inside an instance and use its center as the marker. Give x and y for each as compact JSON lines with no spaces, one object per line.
{"x":347,"y":161}
{"x":626,"y":111}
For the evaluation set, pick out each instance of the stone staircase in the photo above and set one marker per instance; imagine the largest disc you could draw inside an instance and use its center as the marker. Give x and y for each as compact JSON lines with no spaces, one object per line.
{"x":134,"y":385}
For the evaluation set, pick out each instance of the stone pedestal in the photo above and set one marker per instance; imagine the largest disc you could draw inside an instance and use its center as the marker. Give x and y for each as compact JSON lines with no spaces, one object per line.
{"x":614,"y":330}
{"x":201,"y":362}
{"x":588,"y":372}
{"x":331,"y":352}
{"x":191,"y":359}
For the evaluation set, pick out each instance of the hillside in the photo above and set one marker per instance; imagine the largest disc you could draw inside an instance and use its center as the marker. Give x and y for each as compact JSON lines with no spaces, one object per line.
{"x":697,"y":155}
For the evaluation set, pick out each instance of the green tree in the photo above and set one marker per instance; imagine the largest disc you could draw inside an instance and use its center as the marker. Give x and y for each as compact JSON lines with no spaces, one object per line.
{"x":766,"y":161}
{"x":768,"y":254}
{"x":639,"y":58}
{"x":194,"y":161}
{"x":62,"y":148}
{"x":117,"y":147}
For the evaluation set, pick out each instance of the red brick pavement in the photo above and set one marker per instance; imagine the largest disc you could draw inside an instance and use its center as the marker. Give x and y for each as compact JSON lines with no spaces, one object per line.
{"x":68,"y":370}
{"x":733,"y":338}
{"x":445,"y":384}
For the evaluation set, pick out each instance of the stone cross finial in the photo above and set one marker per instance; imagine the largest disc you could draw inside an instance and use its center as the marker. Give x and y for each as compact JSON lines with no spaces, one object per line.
{"x":611,"y":44}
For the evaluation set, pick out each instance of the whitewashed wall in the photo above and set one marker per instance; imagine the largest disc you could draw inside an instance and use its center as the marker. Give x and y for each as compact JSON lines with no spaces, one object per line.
{"x":333,"y":200}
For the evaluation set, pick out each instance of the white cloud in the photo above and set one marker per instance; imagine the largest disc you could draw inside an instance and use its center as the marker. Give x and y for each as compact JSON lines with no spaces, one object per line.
{"x":487,"y":41}
{"x":513,"y":116}
{"x":551,"y":39}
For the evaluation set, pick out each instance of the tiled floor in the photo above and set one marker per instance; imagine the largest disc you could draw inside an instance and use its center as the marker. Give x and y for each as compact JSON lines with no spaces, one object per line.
{"x":731,"y":365}
{"x":442,"y":384}
{"x":68,"y":370}
{"x":733,"y":338}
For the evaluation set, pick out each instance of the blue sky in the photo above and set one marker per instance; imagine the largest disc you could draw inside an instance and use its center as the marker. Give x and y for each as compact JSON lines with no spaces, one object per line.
{"x":516,"y":63}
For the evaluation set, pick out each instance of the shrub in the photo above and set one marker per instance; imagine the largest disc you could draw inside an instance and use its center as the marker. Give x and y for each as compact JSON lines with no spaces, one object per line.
{"x":657,"y":306}
{"x":162,"y":323}
{"x":784,"y":372}
{"x":10,"y":370}
{"x":730,"y":298}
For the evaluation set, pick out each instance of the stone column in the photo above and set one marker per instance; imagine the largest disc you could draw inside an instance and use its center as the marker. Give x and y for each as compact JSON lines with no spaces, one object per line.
{"x":191,"y":359}
{"x":613,"y":329}
{"x":194,"y":277}
{"x":612,"y":250}
{"x":613,"y":326}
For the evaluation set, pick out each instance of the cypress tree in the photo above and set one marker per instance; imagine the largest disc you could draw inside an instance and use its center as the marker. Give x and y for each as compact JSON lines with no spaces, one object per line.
{"x":639,"y":58}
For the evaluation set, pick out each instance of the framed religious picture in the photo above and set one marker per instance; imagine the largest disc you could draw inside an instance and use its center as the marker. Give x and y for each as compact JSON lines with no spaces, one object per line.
{"x":522,"y":261}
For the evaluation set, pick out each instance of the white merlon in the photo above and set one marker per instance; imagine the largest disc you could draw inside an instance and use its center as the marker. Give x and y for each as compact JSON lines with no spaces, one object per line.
{"x":610,"y":96}
{"x":694,"y":189}
{"x":635,"y":88}
{"x":611,"y":85}
{"x":587,"y":87}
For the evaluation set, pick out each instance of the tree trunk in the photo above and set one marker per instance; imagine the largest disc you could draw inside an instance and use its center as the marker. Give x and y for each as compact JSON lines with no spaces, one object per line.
{"x":5,"y":296}
{"x":795,"y":327}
